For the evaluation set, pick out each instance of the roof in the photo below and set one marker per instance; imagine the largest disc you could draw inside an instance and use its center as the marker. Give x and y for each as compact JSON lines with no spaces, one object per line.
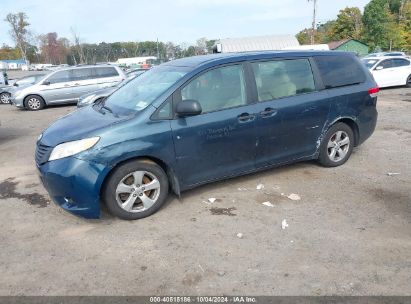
{"x":18,"y":61}
{"x":258,"y":43}
{"x":335,"y":44}
{"x":222,"y":58}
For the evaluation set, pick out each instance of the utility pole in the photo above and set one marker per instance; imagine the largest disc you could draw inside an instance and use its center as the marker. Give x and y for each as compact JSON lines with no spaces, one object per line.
{"x":313,"y":24}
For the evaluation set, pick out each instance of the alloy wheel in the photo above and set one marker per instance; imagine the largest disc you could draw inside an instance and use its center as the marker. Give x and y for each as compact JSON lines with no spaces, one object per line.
{"x":338,"y":146}
{"x":34,"y":103}
{"x":138,"y":191}
{"x":5,"y":98}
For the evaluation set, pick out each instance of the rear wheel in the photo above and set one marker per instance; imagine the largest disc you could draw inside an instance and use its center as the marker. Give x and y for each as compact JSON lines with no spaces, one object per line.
{"x":135,"y":190}
{"x":408,"y":84}
{"x":5,"y":97}
{"x":337,"y":145}
{"x":34,"y":103}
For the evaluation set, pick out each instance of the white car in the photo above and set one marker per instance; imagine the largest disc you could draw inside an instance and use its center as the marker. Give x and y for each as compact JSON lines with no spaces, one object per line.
{"x":389,"y":71}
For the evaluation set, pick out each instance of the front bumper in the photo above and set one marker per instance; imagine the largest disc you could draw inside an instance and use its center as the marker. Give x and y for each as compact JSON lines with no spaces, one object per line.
{"x":74,"y":185}
{"x":18,"y":102}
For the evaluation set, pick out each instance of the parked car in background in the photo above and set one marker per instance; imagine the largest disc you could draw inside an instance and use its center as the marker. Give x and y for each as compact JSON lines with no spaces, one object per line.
{"x":386,"y":54}
{"x":66,"y":86}
{"x":201,"y":119}
{"x":389,"y":71}
{"x":99,"y":95}
{"x":5,"y":92}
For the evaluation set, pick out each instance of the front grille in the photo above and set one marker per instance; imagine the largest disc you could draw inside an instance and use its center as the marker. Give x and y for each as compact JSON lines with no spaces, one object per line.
{"x":42,"y":153}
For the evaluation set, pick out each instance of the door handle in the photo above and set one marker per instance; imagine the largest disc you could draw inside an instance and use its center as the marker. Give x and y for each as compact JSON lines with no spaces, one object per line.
{"x":268,"y":112}
{"x":245,"y":117}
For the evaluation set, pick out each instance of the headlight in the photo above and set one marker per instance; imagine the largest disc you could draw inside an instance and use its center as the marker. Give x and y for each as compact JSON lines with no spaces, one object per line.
{"x":73,"y":147}
{"x":87,"y":100}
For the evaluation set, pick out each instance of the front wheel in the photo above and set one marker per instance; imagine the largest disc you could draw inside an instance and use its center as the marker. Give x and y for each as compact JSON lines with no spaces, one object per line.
{"x":5,"y":98}
{"x":135,"y":190}
{"x":336,"y":146}
{"x":34,"y":103}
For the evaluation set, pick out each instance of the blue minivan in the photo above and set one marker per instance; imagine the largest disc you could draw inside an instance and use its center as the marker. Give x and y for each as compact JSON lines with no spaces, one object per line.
{"x":200,"y":119}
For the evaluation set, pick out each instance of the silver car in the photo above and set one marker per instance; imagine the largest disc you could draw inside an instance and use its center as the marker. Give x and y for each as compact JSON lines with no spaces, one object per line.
{"x":66,"y":86}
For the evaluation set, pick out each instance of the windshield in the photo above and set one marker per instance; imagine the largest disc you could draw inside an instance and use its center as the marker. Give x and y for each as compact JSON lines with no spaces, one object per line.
{"x":369,"y":63}
{"x":138,"y":93}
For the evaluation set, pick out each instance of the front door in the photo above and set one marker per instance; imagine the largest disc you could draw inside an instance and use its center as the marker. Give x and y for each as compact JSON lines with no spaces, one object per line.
{"x":58,"y":87}
{"x":384,"y":73}
{"x":221,"y":141}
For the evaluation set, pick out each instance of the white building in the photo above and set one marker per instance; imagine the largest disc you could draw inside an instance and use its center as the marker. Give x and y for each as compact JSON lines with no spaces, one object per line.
{"x":136,"y":60}
{"x":256,"y":43}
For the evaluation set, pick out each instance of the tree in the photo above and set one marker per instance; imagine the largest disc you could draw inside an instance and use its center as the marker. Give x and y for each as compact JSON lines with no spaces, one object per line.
{"x":78,"y":47}
{"x":348,"y":24}
{"x":19,"y":31}
{"x":380,"y":26}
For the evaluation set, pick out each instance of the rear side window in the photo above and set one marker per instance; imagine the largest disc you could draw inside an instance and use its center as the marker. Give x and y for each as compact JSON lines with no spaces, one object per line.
{"x":282,"y":78}
{"x":82,"y":74}
{"x":338,"y":71}
{"x":400,"y":62}
{"x":217,"y":89}
{"x":106,"y":72}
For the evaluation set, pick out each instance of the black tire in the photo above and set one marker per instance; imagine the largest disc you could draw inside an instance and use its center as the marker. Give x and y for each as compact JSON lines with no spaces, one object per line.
{"x":5,"y":98}
{"x":120,"y":175}
{"x":408,"y":83}
{"x":326,"y":157}
{"x":34,"y":103}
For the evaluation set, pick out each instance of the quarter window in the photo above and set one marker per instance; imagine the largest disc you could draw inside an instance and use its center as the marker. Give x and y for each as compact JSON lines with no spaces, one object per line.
{"x":218,"y":89}
{"x":106,"y":72}
{"x":339,"y":70}
{"x":282,"y":78}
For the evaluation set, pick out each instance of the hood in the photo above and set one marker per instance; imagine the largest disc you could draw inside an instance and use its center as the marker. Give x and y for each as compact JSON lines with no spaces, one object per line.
{"x":13,"y":89}
{"x":79,"y":124}
{"x":103,"y":92}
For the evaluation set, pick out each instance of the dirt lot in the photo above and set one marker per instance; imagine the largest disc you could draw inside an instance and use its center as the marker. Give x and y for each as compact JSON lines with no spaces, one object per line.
{"x":349,"y":234}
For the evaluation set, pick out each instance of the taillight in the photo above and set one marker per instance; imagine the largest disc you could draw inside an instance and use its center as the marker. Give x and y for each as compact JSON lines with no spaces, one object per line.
{"x":374,"y":91}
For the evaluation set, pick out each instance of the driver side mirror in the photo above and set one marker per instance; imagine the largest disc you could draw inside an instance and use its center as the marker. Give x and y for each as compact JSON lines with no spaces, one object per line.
{"x":189,"y":107}
{"x":380,"y":67}
{"x":16,"y":84}
{"x":46,"y":82}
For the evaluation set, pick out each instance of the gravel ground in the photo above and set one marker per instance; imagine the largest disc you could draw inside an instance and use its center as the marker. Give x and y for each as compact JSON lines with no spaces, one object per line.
{"x":349,"y":234}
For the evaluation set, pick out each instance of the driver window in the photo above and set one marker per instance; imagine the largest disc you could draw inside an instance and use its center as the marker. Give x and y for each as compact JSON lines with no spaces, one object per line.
{"x":218,"y":89}
{"x":386,"y":64}
{"x":58,"y":77}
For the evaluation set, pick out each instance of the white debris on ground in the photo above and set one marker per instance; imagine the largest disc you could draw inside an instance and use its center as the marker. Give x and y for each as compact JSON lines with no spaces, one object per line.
{"x":393,"y":173}
{"x":284,"y":224}
{"x":242,"y":189}
{"x":294,"y":197}
{"x":260,"y":187}
{"x":240,"y":235}
{"x":211,"y":200}
{"x":268,"y":204}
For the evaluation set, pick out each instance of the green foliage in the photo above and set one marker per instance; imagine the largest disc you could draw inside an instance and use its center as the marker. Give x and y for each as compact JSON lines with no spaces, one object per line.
{"x":381,"y":27}
{"x":348,"y":24}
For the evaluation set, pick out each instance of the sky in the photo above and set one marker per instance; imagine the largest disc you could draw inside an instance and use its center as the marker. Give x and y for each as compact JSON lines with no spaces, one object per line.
{"x":179,"y":21}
